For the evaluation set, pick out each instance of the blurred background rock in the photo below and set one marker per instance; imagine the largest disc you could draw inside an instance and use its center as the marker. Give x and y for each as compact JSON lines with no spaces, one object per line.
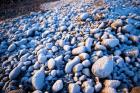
{"x":14,"y":8}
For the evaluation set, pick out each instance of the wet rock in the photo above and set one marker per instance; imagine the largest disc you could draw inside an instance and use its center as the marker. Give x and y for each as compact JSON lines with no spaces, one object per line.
{"x":57,"y":86}
{"x":103,"y":67}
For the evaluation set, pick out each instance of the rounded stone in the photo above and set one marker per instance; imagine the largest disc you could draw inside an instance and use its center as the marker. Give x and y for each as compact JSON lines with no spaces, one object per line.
{"x":103,"y":67}
{"x":57,"y":86}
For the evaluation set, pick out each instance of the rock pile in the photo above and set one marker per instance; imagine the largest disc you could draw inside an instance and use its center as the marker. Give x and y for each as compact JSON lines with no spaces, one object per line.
{"x":69,"y":50}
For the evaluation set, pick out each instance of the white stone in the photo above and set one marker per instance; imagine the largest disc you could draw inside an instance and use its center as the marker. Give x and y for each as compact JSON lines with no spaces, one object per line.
{"x":103,"y":67}
{"x":54,"y":48}
{"x":110,"y":42}
{"x":53,"y":73}
{"x":100,"y":47}
{"x":88,"y":89}
{"x":84,"y":56}
{"x":78,"y":67}
{"x":36,"y":65}
{"x":66,"y":47}
{"x":38,"y":79}
{"x":37,"y":91}
{"x":89,"y":43}
{"x":49,"y":45}
{"x":74,"y":88}
{"x":117,"y":23}
{"x":69,"y":66}
{"x":112,"y":83}
{"x":98,"y":87}
{"x":57,"y":86}
{"x":61,"y":43}
{"x":42,"y":58}
{"x":86,"y":63}
{"x":87,"y":83}
{"x":86,"y":71}
{"x":59,"y":59}
{"x":84,"y":16}
{"x":51,"y":63}
{"x":109,"y":90}
{"x":12,"y":47}
{"x":78,"y":50}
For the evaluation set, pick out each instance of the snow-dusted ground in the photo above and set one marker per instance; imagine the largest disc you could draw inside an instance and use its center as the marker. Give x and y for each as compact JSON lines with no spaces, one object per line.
{"x":75,"y":46}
